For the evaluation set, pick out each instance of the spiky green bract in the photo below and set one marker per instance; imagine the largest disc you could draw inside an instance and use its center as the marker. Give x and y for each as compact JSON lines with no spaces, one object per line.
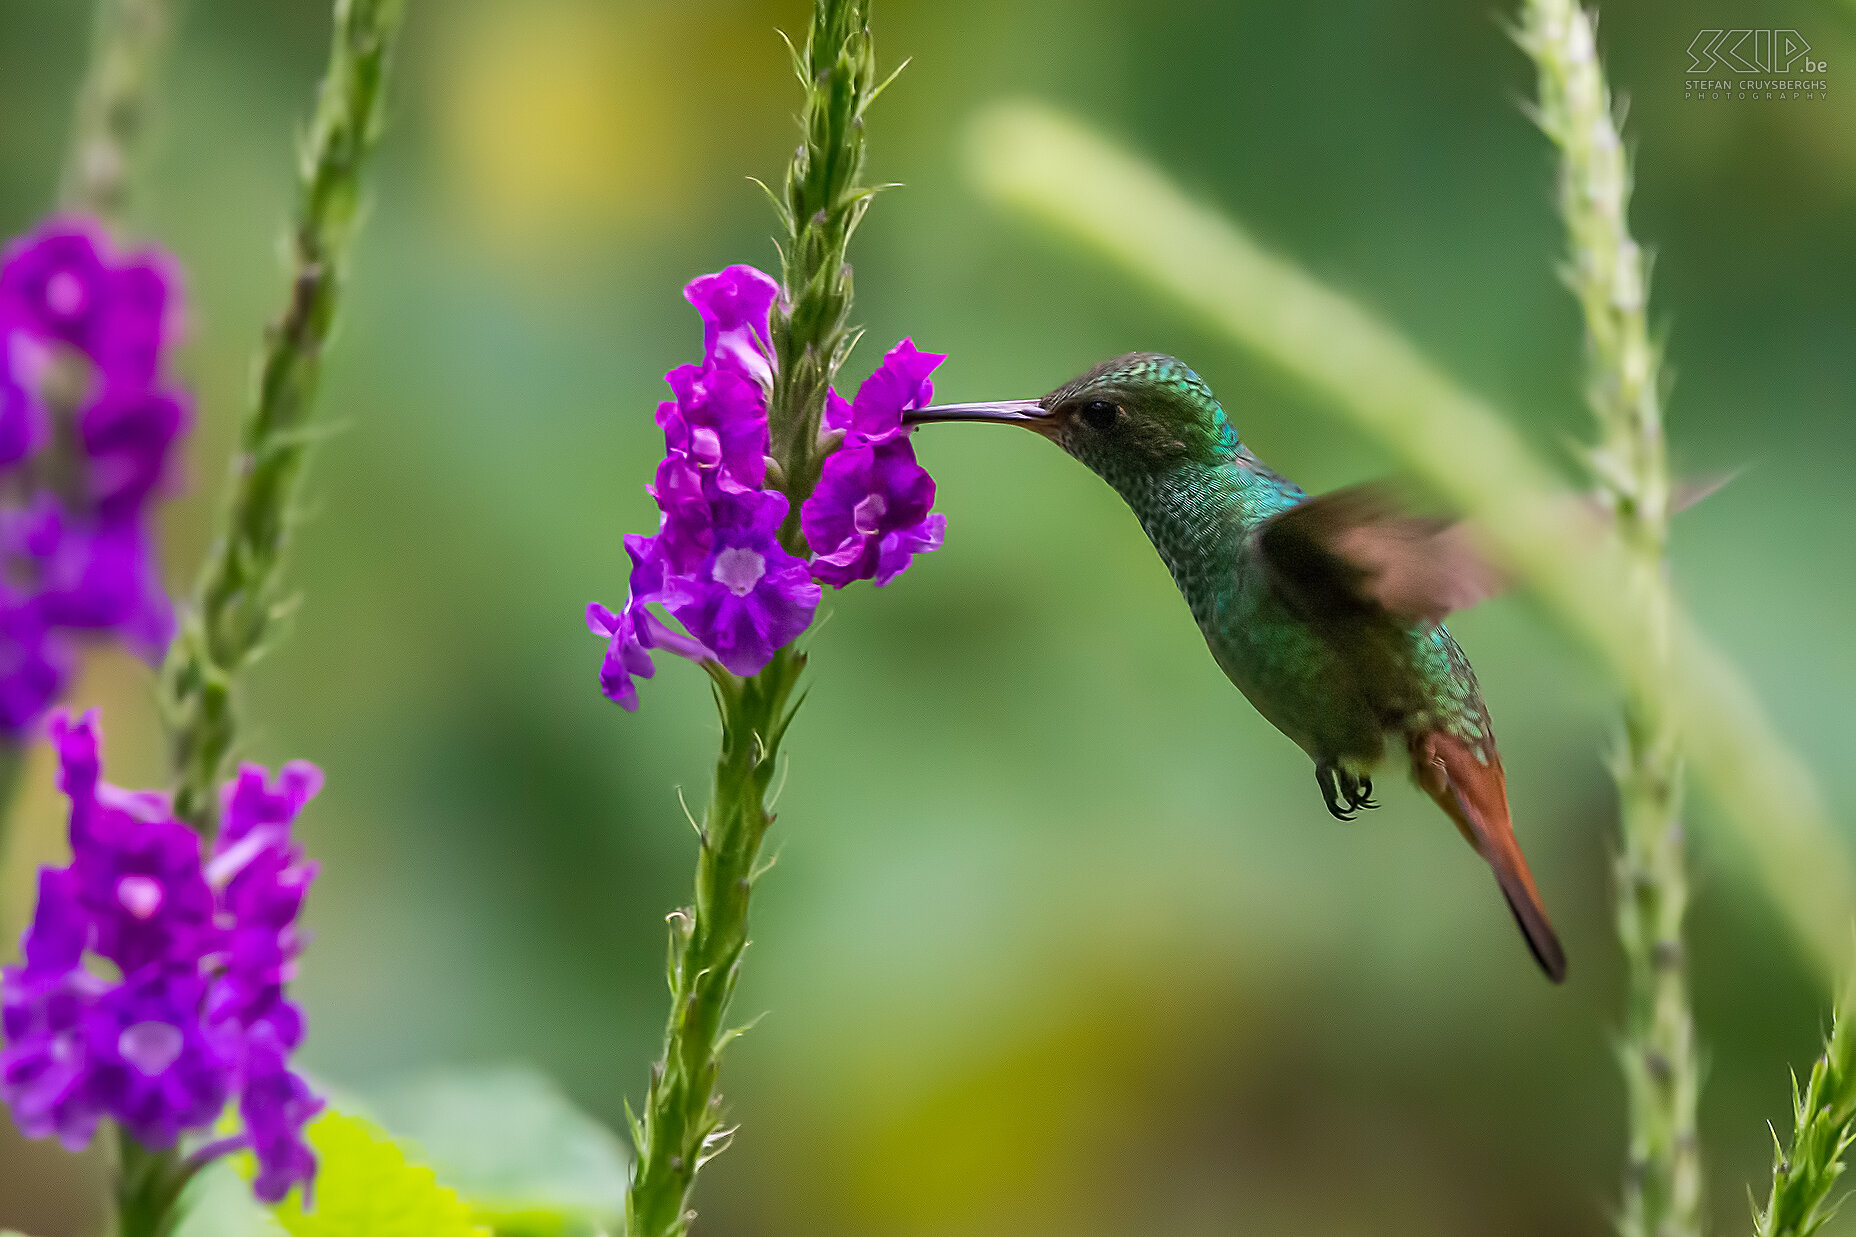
{"x":1803,"y":1174}
{"x":127,"y":42}
{"x":681,"y":1128}
{"x":1663,"y":1180}
{"x":823,"y":199}
{"x":821,"y":203}
{"x":239,"y":596}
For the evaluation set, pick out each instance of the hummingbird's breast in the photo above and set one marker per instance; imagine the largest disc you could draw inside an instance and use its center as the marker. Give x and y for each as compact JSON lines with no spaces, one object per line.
{"x":1204,"y":526}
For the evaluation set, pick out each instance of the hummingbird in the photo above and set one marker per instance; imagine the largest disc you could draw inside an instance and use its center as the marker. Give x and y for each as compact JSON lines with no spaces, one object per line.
{"x":1325,"y":611}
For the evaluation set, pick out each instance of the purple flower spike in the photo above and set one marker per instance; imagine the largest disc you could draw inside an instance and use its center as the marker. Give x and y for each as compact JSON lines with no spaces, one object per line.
{"x":871,"y":514}
{"x":204,"y":951}
{"x":751,"y":597}
{"x":735,"y":304}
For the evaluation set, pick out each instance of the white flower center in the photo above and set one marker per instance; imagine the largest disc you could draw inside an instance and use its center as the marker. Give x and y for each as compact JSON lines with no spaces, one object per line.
{"x":151,"y":1046}
{"x":739,"y":569}
{"x":64,"y":293}
{"x":866,"y":514}
{"x":140,"y":895}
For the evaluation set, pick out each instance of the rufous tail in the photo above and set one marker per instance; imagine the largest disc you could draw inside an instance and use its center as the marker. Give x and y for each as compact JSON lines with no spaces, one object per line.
{"x":1475,"y":795}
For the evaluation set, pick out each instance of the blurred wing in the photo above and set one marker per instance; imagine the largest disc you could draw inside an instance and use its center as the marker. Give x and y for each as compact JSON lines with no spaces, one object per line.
{"x":1362,"y":551}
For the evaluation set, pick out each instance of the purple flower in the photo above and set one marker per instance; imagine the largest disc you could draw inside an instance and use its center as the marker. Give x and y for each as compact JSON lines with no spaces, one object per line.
{"x":80,"y":559}
{"x":871,"y":514}
{"x":128,"y":435}
{"x":44,"y":1068}
{"x":871,"y":511}
{"x":36,"y":665}
{"x":154,"y":1066}
{"x":735,"y":304}
{"x":64,"y":284}
{"x":204,"y":951}
{"x":750,"y":597}
{"x":899,"y":384}
{"x":276,"y":1104}
{"x":717,"y":422}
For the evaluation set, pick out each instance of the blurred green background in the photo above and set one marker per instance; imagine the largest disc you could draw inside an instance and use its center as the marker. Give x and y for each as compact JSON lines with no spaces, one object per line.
{"x":1061,"y":940}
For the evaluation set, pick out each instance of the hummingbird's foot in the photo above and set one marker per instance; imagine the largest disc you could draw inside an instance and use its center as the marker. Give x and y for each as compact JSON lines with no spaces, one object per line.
{"x":1332,"y":779}
{"x":1345,"y":793}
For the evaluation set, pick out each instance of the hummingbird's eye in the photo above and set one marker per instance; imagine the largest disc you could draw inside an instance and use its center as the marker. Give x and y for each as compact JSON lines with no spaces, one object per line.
{"x":1098,"y":414}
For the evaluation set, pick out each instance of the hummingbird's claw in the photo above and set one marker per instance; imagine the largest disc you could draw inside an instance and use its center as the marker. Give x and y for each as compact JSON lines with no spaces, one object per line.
{"x":1329,"y":778}
{"x":1345,"y":794}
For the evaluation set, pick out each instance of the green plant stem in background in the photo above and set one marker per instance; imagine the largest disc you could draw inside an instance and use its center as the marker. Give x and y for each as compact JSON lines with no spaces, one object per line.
{"x":1803,"y":1174}
{"x":239,"y":596}
{"x":113,"y":108}
{"x":1034,"y":159}
{"x":681,"y":1127}
{"x":1662,"y":1072}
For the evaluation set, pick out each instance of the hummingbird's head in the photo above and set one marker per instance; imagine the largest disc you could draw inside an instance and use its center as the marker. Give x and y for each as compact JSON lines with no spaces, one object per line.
{"x":1132,"y":417}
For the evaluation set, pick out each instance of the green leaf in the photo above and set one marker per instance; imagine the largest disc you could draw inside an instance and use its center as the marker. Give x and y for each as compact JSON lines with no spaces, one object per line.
{"x":366,"y":1187}
{"x":527,"y":1160}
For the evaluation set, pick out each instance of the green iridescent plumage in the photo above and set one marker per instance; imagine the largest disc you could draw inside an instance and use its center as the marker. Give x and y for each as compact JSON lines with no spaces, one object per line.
{"x":1323,"y":610}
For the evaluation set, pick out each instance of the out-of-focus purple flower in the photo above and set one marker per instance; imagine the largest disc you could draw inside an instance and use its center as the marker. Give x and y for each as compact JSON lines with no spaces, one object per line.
{"x":735,"y":304}
{"x":204,"y":951}
{"x":128,"y":435}
{"x":44,"y":1067}
{"x":872,"y":510}
{"x":65,"y":284}
{"x":154,"y":1065}
{"x":90,"y":327}
{"x":750,"y":597}
{"x":870,"y":514}
{"x":36,"y":668}
{"x":275,"y":1105}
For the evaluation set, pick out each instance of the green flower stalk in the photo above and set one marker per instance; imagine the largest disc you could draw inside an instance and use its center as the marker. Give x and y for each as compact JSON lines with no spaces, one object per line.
{"x":1803,"y":1174}
{"x":1606,"y":272}
{"x":239,"y":596}
{"x":681,"y":1127}
{"x":127,"y":45}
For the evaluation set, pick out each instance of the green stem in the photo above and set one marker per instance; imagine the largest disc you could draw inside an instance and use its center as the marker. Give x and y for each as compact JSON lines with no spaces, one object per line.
{"x":239,"y":596}
{"x":823,"y":200}
{"x":682,"y":1124}
{"x":127,"y":42}
{"x":148,"y":1185}
{"x":1663,"y":1181}
{"x":1804,"y":1172}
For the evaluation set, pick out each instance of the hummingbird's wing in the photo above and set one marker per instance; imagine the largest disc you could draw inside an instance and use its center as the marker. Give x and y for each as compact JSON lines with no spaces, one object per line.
{"x":1363,"y":551}
{"x":1366,"y":549}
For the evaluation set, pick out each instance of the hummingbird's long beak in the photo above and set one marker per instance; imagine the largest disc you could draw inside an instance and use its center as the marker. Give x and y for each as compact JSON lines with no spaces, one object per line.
{"x":1029,"y":413}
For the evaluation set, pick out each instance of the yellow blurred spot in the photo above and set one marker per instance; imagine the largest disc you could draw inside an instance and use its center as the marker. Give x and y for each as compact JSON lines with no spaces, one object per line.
{"x":560,"y":119}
